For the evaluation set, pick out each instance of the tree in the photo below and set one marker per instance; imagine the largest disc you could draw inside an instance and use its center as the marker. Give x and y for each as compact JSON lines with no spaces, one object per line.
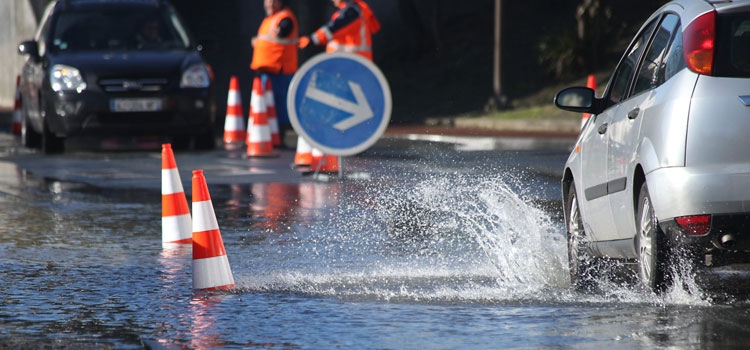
{"x":498,"y":100}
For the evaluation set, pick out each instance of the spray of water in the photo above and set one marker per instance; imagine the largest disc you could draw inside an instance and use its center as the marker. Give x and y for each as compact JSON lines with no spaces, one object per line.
{"x":446,"y":237}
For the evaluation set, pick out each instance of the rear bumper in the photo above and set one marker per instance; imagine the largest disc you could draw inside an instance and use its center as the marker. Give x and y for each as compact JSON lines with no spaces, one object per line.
{"x":682,"y":191}
{"x":187,"y":112}
{"x":722,"y":192}
{"x":727,"y":241}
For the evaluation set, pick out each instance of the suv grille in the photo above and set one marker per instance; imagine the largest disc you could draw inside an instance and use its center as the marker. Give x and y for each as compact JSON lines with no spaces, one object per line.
{"x":123,"y":85}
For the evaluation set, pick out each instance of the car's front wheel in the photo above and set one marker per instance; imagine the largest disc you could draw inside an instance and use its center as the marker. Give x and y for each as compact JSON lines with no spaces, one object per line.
{"x":580,"y":262}
{"x":50,"y":142}
{"x":29,"y":137}
{"x":654,"y":265}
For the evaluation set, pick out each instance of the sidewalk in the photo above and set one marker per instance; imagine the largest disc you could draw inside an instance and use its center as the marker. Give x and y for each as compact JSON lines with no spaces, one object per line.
{"x":464,"y":127}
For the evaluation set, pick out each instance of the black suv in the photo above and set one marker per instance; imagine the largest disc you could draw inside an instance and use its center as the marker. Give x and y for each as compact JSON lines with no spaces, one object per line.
{"x":118,"y":67}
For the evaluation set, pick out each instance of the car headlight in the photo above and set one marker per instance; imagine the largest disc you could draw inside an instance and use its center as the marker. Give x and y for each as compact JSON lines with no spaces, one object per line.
{"x":196,"y":76}
{"x":66,"y":78}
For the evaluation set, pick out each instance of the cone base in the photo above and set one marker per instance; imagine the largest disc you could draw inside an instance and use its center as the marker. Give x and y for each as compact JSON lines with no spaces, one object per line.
{"x":212,"y":273}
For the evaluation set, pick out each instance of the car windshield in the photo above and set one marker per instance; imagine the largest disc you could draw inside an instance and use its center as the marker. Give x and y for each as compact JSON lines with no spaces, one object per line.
{"x":120,"y":29}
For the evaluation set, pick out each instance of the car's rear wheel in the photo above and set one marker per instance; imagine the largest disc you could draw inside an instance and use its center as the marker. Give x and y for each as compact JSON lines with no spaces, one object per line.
{"x":654,"y":263}
{"x":580,"y":262}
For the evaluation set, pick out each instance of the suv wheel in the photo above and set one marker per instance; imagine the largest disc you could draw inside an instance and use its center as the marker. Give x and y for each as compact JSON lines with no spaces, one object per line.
{"x":654,"y":265}
{"x":29,"y":137}
{"x":50,"y":142}
{"x":580,"y":262}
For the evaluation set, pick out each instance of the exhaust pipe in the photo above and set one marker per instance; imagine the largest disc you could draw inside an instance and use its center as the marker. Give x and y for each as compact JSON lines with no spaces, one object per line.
{"x":728,"y":241}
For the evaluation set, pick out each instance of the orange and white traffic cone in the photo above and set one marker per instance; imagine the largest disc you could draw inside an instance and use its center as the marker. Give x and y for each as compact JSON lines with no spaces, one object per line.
{"x":258,"y":133}
{"x":273,"y":122}
{"x":234,"y":124}
{"x":16,"y":123}
{"x":590,"y":83}
{"x":303,"y":157}
{"x":175,"y":216}
{"x":324,"y":163}
{"x":211,"y":269}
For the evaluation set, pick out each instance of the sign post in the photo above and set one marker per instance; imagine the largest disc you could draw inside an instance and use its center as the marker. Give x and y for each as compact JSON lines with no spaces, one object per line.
{"x":340,"y":103}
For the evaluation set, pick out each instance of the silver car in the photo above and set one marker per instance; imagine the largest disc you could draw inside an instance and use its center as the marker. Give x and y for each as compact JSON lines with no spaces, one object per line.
{"x":661,"y":170}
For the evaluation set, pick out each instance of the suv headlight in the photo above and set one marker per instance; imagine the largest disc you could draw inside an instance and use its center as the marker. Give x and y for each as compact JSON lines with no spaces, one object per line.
{"x":196,"y":76}
{"x":66,"y":78}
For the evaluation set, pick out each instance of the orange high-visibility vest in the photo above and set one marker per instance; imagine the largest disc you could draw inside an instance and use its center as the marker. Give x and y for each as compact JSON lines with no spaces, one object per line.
{"x":273,"y":54}
{"x":349,"y":36}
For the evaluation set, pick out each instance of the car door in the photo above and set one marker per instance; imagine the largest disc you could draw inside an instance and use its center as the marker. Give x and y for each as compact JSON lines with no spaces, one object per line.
{"x":593,"y":182}
{"x":595,"y":146}
{"x":624,"y":131}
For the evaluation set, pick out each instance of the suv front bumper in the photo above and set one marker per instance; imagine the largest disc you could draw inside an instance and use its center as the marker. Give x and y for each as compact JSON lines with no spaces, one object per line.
{"x":187,"y":112}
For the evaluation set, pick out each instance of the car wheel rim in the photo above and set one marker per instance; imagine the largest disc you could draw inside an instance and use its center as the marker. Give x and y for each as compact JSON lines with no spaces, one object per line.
{"x":574,"y":230}
{"x":645,"y":253}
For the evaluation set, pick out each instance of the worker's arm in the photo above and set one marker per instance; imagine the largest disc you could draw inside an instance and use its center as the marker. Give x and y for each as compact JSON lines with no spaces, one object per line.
{"x":346,"y":16}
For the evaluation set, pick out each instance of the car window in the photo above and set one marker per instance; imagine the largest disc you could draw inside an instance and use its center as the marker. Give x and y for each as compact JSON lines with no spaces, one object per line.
{"x":123,"y":29}
{"x":43,"y":30}
{"x":648,"y":77}
{"x":624,"y":73}
{"x":733,"y":45}
{"x":675,"y":60}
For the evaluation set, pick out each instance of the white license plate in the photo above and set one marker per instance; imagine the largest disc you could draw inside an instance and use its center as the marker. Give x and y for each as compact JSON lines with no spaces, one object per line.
{"x":135,"y":104}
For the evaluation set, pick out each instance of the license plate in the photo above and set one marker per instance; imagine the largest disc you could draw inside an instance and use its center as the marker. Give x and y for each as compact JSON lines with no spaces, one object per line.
{"x":135,"y":104}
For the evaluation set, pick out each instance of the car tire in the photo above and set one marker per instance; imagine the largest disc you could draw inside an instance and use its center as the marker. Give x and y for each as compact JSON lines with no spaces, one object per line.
{"x":654,"y":259}
{"x":29,"y":137}
{"x":50,"y":143}
{"x":580,"y":262}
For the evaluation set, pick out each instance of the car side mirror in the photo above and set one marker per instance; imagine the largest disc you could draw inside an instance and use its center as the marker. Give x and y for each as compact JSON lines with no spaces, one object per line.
{"x":29,"y":47}
{"x":578,"y":99}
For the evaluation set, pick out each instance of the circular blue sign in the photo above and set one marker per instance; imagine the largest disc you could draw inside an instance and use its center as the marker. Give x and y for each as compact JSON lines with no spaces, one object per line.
{"x":340,"y":103}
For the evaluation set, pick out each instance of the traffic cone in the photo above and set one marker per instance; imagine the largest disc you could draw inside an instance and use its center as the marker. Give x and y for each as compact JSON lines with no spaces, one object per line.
{"x":175,"y":216}
{"x":323,"y":163}
{"x":303,"y":157}
{"x":590,"y":83}
{"x":211,"y":269}
{"x":258,"y":133}
{"x":234,"y":124}
{"x":16,"y":124}
{"x":273,"y":122}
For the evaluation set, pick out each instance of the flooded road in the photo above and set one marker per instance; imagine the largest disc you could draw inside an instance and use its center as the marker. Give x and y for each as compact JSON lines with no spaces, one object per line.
{"x":422,"y":246}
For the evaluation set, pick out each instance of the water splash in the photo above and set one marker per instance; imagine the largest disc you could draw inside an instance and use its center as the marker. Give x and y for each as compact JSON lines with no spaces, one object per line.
{"x":445,"y":237}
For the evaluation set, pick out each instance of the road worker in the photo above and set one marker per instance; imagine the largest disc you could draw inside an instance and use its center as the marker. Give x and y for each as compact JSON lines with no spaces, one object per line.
{"x":275,"y":53}
{"x":349,"y":30}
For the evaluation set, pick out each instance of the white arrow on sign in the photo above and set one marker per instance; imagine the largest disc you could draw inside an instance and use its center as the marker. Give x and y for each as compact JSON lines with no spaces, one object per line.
{"x":361,"y":110}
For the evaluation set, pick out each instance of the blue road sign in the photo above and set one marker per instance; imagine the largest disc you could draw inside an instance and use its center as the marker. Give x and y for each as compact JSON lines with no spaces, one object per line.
{"x":340,"y":103}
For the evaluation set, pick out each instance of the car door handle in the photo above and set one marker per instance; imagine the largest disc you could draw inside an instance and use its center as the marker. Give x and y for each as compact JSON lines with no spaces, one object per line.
{"x":602,"y":128}
{"x":634,"y":113}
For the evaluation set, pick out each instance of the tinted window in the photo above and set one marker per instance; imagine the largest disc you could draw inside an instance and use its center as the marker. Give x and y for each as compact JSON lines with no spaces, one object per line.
{"x":625,"y":70}
{"x":123,"y":29}
{"x":733,"y":45}
{"x":650,"y":67}
{"x":675,"y":60}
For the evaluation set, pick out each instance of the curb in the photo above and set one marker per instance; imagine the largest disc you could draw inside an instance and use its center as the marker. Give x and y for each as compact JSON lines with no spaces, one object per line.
{"x":563,"y":126}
